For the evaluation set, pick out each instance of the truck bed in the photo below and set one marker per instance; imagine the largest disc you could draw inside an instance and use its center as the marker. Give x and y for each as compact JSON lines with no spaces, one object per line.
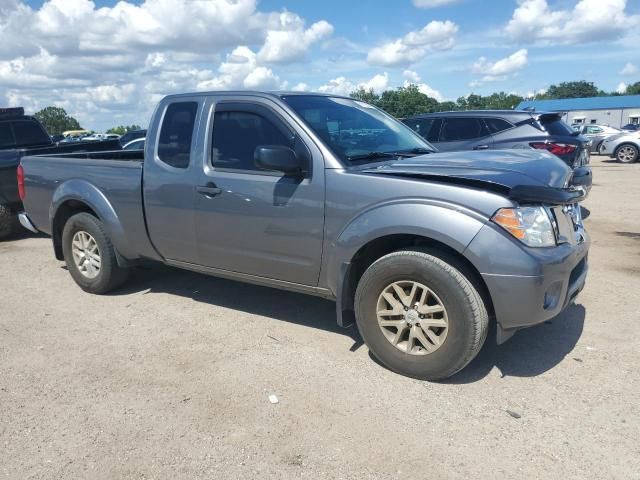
{"x":115,"y":175}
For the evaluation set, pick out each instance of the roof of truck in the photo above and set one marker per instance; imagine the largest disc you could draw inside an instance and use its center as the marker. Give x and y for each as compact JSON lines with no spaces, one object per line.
{"x":256,"y":93}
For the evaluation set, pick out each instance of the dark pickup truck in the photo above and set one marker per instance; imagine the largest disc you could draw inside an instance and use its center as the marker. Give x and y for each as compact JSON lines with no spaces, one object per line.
{"x":327,"y":196}
{"x":22,"y":135}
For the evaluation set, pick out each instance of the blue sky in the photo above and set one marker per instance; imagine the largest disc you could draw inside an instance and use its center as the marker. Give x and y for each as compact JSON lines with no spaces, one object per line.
{"x":109,"y":62}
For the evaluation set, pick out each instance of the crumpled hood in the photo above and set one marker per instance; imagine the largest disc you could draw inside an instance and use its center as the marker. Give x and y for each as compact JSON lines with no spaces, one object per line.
{"x":505,"y":168}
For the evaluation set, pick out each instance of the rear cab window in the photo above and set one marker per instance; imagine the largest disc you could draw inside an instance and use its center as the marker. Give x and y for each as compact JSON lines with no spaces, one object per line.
{"x":22,"y":133}
{"x":29,"y":132}
{"x":176,"y":133}
{"x":6,"y":135}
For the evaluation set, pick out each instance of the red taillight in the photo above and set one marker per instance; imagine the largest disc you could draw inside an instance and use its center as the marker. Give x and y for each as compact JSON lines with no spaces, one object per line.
{"x":21,"y":190}
{"x":555,"y":148}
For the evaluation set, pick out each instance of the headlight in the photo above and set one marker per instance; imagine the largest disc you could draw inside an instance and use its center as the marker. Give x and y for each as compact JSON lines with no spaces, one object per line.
{"x":531,"y":225}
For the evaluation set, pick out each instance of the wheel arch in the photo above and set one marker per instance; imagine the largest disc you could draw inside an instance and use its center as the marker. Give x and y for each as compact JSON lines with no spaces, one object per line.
{"x":76,"y":196}
{"x":441,"y":229}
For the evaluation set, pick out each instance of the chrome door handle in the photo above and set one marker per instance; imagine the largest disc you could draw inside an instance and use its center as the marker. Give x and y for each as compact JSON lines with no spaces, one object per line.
{"x":209,"y":190}
{"x":481,"y":147}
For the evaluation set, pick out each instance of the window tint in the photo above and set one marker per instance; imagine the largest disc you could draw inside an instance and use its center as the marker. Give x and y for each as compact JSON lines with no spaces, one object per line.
{"x":6,"y":136}
{"x":555,"y":126}
{"x":29,"y":133}
{"x":496,"y":125}
{"x":594,"y":130}
{"x":462,"y":129}
{"x":428,"y":128}
{"x":236,"y":135}
{"x":174,"y":145}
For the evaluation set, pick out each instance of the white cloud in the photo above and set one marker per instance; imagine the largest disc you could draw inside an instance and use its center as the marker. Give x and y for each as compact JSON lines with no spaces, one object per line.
{"x":500,"y":69}
{"x":432,"y":3}
{"x":378,"y":83}
{"x":300,"y":87}
{"x":621,"y":88}
{"x":103,"y":64}
{"x":629,"y":69}
{"x":411,"y":76}
{"x":342,"y":86}
{"x":588,"y":21}
{"x":338,"y":86}
{"x":292,"y":41}
{"x":436,"y":35}
{"x":241,"y":70}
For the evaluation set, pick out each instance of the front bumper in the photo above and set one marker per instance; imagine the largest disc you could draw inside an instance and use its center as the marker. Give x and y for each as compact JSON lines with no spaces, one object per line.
{"x":528,"y":286}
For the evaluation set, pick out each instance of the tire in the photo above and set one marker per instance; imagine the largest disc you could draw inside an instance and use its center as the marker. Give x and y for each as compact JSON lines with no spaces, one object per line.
{"x":626,"y":153}
{"x":108,"y":275}
{"x":6,"y":221}
{"x":464,"y":313}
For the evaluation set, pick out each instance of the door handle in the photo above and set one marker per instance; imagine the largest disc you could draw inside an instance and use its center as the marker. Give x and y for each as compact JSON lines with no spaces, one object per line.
{"x":209,"y":190}
{"x":481,"y":147}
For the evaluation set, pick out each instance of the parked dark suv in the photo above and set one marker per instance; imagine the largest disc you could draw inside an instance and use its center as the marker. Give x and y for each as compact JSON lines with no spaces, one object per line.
{"x":502,"y":129}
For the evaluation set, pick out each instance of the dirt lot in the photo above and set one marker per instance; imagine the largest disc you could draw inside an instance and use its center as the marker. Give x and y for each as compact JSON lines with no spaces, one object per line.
{"x":170,"y":378}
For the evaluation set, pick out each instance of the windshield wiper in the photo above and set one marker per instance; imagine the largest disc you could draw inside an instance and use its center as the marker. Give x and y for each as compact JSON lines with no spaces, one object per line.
{"x":414,"y":151}
{"x":401,"y":153}
{"x":373,"y":155}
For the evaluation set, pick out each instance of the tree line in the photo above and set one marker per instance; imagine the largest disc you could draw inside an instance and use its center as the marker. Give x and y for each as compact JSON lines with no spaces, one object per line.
{"x":56,"y":120}
{"x":407,"y":101}
{"x":401,"y":102}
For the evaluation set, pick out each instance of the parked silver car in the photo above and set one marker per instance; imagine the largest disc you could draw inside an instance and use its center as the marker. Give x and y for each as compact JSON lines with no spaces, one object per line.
{"x":597,"y":134}
{"x":625,"y":148}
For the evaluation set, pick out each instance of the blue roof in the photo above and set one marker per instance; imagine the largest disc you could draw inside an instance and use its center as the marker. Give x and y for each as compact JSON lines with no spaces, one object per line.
{"x":589,"y":103}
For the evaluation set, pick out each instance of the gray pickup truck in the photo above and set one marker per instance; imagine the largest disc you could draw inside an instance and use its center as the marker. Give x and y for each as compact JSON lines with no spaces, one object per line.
{"x":328,"y":196}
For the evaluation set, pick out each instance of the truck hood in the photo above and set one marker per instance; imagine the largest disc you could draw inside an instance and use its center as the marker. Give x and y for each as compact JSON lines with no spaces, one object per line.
{"x":504,"y":169}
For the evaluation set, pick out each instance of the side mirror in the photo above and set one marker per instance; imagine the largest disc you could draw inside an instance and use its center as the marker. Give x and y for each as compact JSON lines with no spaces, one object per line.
{"x":279,"y":158}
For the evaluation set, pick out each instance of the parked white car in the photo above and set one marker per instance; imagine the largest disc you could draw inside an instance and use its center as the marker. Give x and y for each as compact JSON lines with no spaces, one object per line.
{"x":96,"y":137}
{"x":625,"y":148}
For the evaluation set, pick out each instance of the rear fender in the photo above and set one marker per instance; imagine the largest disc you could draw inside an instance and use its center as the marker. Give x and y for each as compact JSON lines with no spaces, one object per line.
{"x":83,"y":192}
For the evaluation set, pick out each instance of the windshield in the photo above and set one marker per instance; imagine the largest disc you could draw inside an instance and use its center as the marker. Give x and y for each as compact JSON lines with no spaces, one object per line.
{"x":356,"y":131}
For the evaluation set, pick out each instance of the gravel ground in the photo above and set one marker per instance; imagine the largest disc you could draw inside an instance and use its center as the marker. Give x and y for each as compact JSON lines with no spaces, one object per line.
{"x":171,"y":378}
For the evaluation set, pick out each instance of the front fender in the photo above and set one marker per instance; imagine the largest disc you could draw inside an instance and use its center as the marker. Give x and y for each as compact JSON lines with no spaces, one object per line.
{"x":85,"y":192}
{"x":452,"y":225}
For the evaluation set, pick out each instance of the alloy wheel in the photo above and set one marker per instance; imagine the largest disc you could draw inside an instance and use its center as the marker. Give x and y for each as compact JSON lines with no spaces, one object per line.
{"x":412,"y":317}
{"x":86,"y":254}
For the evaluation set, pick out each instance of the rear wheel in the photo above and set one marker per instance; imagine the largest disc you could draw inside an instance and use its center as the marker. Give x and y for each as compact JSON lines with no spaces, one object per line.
{"x":627,"y":153}
{"x":90,"y":255}
{"x":6,"y":221}
{"x":419,"y":315}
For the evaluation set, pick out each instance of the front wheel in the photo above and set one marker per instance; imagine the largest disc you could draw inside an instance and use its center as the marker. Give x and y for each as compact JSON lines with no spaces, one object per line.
{"x":627,"y":153}
{"x":90,"y":255}
{"x":419,"y":315}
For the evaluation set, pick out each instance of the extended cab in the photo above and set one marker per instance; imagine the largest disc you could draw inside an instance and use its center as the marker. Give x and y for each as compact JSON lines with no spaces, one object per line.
{"x":328,"y":196}
{"x":22,"y":135}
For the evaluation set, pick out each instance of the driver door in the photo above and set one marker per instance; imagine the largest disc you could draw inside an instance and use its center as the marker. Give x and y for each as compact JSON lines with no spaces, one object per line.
{"x":253,"y":221}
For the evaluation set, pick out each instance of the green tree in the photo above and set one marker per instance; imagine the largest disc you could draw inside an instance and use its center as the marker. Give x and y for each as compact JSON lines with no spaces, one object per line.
{"x":122,"y":129}
{"x":579,"y":89}
{"x":406,"y":101}
{"x":368,"y":96}
{"x":56,"y":120}
{"x":633,"y":89}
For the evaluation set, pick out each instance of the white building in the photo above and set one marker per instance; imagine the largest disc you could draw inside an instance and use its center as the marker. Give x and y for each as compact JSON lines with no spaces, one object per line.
{"x":615,"y":111}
